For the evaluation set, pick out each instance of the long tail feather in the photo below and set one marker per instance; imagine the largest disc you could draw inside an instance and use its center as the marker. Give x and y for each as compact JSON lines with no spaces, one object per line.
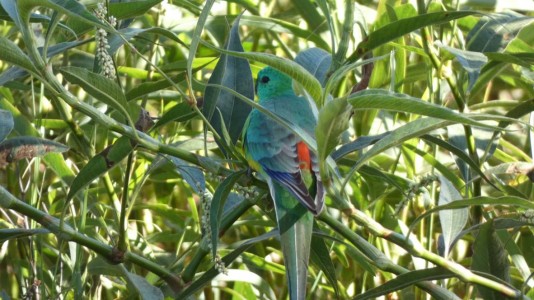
{"x":295,"y":224}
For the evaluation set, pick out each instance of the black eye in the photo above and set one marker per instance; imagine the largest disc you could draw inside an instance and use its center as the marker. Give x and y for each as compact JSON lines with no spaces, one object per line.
{"x":265,"y":79}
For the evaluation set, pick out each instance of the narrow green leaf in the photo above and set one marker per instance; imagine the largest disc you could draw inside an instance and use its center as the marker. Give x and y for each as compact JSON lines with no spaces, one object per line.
{"x":507,"y":200}
{"x":190,"y":173}
{"x":11,"y":53}
{"x":217,"y":204}
{"x":6,"y":123}
{"x":17,"y":233}
{"x":316,"y":61}
{"x":333,"y":121}
{"x":321,"y":257}
{"x":100,"y":164}
{"x":130,"y":9}
{"x":357,"y":145}
{"x":115,"y":41}
{"x":409,"y":279}
{"x":492,"y":33}
{"x":102,"y":88}
{"x":489,"y":256}
{"x":181,"y":112}
{"x":386,"y":100}
{"x":142,"y":287}
{"x":291,"y":68}
{"x":398,"y":136}
{"x":401,"y":27}
{"x":234,"y":73}
{"x":471,"y":61}
{"x":21,"y":147}
{"x":309,"y":13}
{"x":195,"y":40}
{"x":452,"y":221}
{"x":71,"y":8}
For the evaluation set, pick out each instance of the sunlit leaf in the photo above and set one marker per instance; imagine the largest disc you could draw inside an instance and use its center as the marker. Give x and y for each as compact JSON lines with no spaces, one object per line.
{"x":452,"y":221}
{"x":234,"y":73}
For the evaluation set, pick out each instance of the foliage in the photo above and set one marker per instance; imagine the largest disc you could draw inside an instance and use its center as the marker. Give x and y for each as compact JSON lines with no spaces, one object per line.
{"x":424,"y":144}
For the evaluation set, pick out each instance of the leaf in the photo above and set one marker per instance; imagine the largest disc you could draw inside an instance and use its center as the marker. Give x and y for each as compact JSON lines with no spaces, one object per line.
{"x":190,"y":173}
{"x":143,"y":288}
{"x":333,"y":121}
{"x":409,"y":279}
{"x":398,"y":136}
{"x":471,"y":61}
{"x":506,"y":200}
{"x":181,"y":112}
{"x":357,"y":145}
{"x":115,"y":41}
{"x":489,"y":256}
{"x":401,"y":27}
{"x":21,"y":147}
{"x":131,"y":9}
{"x":316,"y":61}
{"x":71,"y":8}
{"x":11,"y":53}
{"x":217,"y":204}
{"x":195,"y":40}
{"x":386,"y":100}
{"x":309,"y":13}
{"x":102,"y":88}
{"x":492,"y":33}
{"x":6,"y":124}
{"x":17,"y":233}
{"x":100,"y":164}
{"x":321,"y":257}
{"x":452,"y":221}
{"x":234,"y":73}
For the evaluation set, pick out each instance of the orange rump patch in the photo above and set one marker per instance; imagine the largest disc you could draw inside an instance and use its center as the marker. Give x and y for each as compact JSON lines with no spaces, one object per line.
{"x":303,"y":154}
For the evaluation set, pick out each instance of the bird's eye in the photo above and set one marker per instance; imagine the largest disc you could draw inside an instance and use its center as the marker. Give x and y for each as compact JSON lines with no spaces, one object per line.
{"x":265,"y":79}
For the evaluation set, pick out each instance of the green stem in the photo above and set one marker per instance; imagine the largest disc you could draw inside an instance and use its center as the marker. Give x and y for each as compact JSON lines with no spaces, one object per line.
{"x":123,"y":245}
{"x":414,"y":249}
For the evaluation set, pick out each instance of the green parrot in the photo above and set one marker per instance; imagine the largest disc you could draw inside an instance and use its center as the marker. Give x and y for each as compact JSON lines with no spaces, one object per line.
{"x":289,"y":167}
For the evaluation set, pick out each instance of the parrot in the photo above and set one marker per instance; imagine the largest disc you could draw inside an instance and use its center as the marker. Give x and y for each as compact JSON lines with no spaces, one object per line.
{"x":291,"y":170}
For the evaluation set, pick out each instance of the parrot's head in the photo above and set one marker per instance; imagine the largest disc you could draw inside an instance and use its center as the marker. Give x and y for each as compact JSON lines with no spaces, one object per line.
{"x":271,"y":83}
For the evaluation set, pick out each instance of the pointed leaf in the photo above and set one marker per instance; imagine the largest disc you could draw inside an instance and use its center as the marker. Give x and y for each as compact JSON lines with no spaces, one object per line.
{"x":11,"y":53}
{"x":181,"y":112}
{"x":471,"y":61}
{"x":386,"y":100}
{"x":321,"y":257}
{"x":492,"y":33}
{"x":142,"y":287}
{"x":404,"y":26}
{"x":489,"y":256}
{"x":217,"y":205}
{"x":6,"y":124}
{"x":190,"y":173}
{"x":409,"y":279}
{"x":357,"y":145}
{"x":316,"y":61}
{"x":100,"y":87}
{"x":195,"y":40}
{"x":452,"y":221}
{"x":333,"y":121}
{"x":100,"y":164}
{"x":16,"y":233}
{"x":234,"y":73}
{"x":21,"y":147}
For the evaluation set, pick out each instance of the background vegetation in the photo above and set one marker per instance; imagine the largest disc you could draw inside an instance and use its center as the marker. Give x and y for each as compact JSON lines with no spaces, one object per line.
{"x":123,"y":176}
